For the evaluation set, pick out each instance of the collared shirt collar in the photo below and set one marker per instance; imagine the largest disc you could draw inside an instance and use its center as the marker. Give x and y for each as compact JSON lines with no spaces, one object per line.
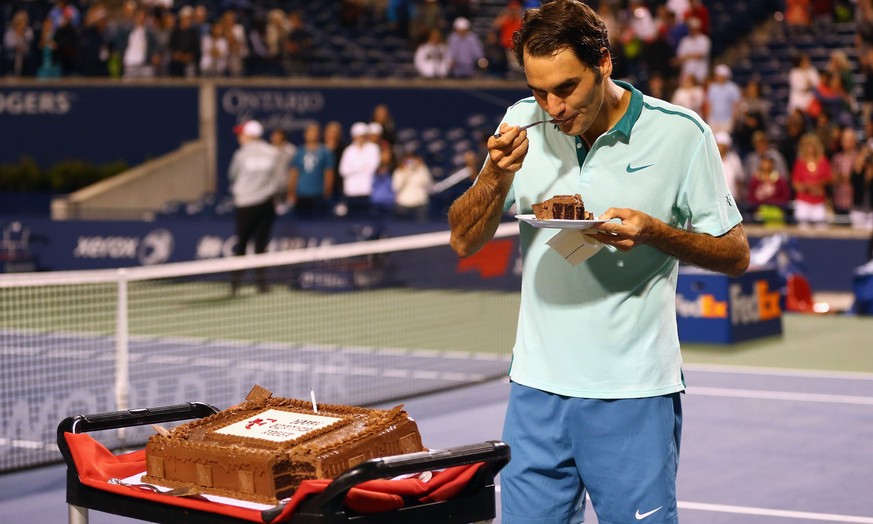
{"x":634,"y":108}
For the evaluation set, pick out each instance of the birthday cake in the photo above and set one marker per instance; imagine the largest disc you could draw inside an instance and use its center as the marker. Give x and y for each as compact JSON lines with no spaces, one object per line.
{"x":264,"y":448}
{"x":562,"y":207}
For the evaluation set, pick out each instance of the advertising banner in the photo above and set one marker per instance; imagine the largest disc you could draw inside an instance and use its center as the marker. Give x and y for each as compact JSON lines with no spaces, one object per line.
{"x":292,"y":109}
{"x":97,"y":124}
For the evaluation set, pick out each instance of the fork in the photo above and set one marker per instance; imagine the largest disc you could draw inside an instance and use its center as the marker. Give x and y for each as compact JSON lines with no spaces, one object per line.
{"x":186,"y":491}
{"x":552,"y":121}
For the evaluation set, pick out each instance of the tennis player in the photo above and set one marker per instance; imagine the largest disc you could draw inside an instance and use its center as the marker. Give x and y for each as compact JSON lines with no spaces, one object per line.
{"x":596,"y":371}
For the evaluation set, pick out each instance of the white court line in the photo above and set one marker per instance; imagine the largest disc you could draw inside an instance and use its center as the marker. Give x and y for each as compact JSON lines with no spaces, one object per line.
{"x":761,"y":512}
{"x":764,"y":512}
{"x":780,"y":395}
{"x":783,"y":372}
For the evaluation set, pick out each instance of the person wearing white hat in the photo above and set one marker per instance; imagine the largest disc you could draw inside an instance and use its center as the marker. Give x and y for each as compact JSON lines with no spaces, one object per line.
{"x":465,"y":49}
{"x":723,"y":97}
{"x":357,"y":167}
{"x":257,"y":176}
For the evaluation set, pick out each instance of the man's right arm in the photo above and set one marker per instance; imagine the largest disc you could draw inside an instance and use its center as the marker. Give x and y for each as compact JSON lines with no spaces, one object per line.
{"x":475,"y":215}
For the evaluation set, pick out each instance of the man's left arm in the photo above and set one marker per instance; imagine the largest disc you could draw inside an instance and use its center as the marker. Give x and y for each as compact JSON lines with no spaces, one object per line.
{"x":728,"y":253}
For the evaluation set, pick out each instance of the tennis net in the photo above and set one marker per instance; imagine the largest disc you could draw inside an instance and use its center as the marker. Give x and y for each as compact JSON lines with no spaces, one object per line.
{"x":356,"y":323}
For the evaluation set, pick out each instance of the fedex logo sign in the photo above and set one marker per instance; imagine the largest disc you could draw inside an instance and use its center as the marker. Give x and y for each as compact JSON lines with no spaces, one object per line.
{"x":762,"y":304}
{"x":704,"y":306}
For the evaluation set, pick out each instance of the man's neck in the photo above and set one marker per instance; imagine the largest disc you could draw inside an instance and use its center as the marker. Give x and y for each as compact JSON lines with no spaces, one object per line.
{"x":615,"y":103}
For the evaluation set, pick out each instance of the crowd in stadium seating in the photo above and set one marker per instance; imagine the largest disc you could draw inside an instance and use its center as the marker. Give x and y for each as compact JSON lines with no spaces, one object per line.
{"x":665,"y":47}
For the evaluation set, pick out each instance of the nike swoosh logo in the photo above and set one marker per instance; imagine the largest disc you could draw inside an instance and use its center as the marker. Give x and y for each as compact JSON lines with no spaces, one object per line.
{"x":635,"y":169}
{"x":641,"y":516}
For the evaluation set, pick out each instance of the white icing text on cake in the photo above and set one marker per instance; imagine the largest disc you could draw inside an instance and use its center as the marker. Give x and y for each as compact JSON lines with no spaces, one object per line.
{"x":277,"y":425}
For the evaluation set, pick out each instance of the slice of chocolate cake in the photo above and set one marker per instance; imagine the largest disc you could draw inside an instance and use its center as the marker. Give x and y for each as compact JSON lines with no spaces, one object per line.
{"x":562,"y":207}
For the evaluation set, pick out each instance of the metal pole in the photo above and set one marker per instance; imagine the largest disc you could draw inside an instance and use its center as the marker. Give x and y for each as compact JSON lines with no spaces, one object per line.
{"x":122,"y":356}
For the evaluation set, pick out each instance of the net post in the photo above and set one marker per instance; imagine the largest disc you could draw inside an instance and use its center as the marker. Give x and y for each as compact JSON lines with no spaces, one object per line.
{"x":122,"y":357}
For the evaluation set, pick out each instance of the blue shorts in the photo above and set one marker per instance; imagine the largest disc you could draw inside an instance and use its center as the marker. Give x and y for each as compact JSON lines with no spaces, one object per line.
{"x":624,"y":452}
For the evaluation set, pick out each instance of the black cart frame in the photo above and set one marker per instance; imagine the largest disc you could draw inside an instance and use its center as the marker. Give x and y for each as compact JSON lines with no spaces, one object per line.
{"x":475,"y":503}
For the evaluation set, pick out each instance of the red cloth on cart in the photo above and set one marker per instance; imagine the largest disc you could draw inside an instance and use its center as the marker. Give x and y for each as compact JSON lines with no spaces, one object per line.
{"x":96,"y":465}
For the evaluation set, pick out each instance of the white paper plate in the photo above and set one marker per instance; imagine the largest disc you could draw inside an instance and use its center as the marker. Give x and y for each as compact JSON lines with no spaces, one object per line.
{"x":559,"y":224}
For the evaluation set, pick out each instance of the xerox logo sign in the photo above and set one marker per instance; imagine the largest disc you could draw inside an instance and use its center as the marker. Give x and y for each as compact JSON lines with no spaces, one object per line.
{"x":155,"y":247}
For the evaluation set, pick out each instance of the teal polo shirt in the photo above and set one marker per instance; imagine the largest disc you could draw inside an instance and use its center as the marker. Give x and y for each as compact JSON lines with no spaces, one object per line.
{"x":606,"y":328}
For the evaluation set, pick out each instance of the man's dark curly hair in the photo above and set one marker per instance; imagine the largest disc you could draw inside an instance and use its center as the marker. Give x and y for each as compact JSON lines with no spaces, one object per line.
{"x":562,"y":24}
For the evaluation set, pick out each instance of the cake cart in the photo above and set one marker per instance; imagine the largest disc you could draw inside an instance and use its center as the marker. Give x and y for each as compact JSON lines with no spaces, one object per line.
{"x":89,"y":486}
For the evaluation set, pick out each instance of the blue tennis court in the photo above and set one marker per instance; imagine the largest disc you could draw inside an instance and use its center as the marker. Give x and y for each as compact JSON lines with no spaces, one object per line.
{"x":760,"y":446}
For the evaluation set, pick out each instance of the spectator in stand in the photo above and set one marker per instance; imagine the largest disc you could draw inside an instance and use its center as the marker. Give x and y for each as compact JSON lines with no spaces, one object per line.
{"x":17,"y":43}
{"x":636,"y":29}
{"x":164,"y":25}
{"x":255,"y":175}
{"x":465,"y":49}
{"x":336,"y":144}
{"x":861,"y":215}
{"x":137,"y":47}
{"x":657,"y":87}
{"x":842,"y":165}
{"x":803,"y":77}
{"x":769,"y":194}
{"x":696,"y":9}
{"x":274,"y":35}
{"x":382,"y":194}
{"x":214,"y":53}
{"x":831,"y":97}
{"x":357,"y":168}
{"x":865,"y":66}
{"x":506,"y":23}
{"x":798,"y":17}
{"x":693,"y":52}
{"x":495,"y":55}
{"x":839,"y":64}
{"x":659,"y":52}
{"x":382,"y":128}
{"x":810,"y":179}
{"x":399,"y":16}
{"x":432,"y":57}
{"x":689,"y":94}
{"x":64,"y":9}
{"x":753,"y":114}
{"x":297,"y":46}
{"x":411,"y":184}
{"x":287,"y":151}
{"x":723,"y":99}
{"x":761,"y":148}
{"x":312,"y":175}
{"x":828,"y":132}
{"x":795,"y":127}
{"x":201,"y":20}
{"x":732,"y":168}
{"x":428,"y":16}
{"x":675,"y":28}
{"x":95,"y":44}
{"x":66,"y":40}
{"x":279,"y":140}
{"x":753,"y":101}
{"x":48,"y":67}
{"x":642,"y":21}
{"x":185,"y":46}
{"x":864,"y":27}
{"x":237,"y":44}
{"x":679,"y":7}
